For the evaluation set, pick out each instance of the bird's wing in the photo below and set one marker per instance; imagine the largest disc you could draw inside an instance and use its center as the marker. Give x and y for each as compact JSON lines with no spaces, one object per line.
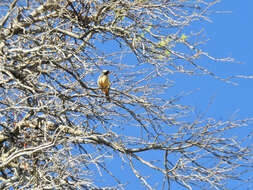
{"x":103,"y":81}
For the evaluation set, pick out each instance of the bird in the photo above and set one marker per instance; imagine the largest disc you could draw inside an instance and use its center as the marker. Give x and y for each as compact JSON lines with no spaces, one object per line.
{"x":104,"y":83}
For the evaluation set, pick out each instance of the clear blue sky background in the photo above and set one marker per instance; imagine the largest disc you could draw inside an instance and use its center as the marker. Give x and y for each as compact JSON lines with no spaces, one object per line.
{"x":231,"y":35}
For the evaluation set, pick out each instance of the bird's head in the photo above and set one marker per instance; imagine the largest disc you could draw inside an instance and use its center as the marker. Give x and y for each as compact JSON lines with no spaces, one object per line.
{"x":106,"y":72}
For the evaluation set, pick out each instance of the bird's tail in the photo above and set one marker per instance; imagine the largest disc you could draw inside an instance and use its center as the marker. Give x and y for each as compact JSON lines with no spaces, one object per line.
{"x":107,"y":95}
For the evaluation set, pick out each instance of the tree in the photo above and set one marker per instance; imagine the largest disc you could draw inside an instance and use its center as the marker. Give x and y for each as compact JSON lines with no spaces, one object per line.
{"x":59,"y":132}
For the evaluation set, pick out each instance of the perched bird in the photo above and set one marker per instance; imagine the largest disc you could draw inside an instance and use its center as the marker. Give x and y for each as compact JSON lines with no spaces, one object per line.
{"x":104,"y":83}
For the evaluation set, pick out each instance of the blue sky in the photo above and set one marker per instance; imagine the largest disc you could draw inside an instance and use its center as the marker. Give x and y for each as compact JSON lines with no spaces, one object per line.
{"x":230,"y":34}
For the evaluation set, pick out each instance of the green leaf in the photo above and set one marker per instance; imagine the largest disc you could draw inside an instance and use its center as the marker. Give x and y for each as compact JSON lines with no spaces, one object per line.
{"x":166,"y":52}
{"x":183,"y":37}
